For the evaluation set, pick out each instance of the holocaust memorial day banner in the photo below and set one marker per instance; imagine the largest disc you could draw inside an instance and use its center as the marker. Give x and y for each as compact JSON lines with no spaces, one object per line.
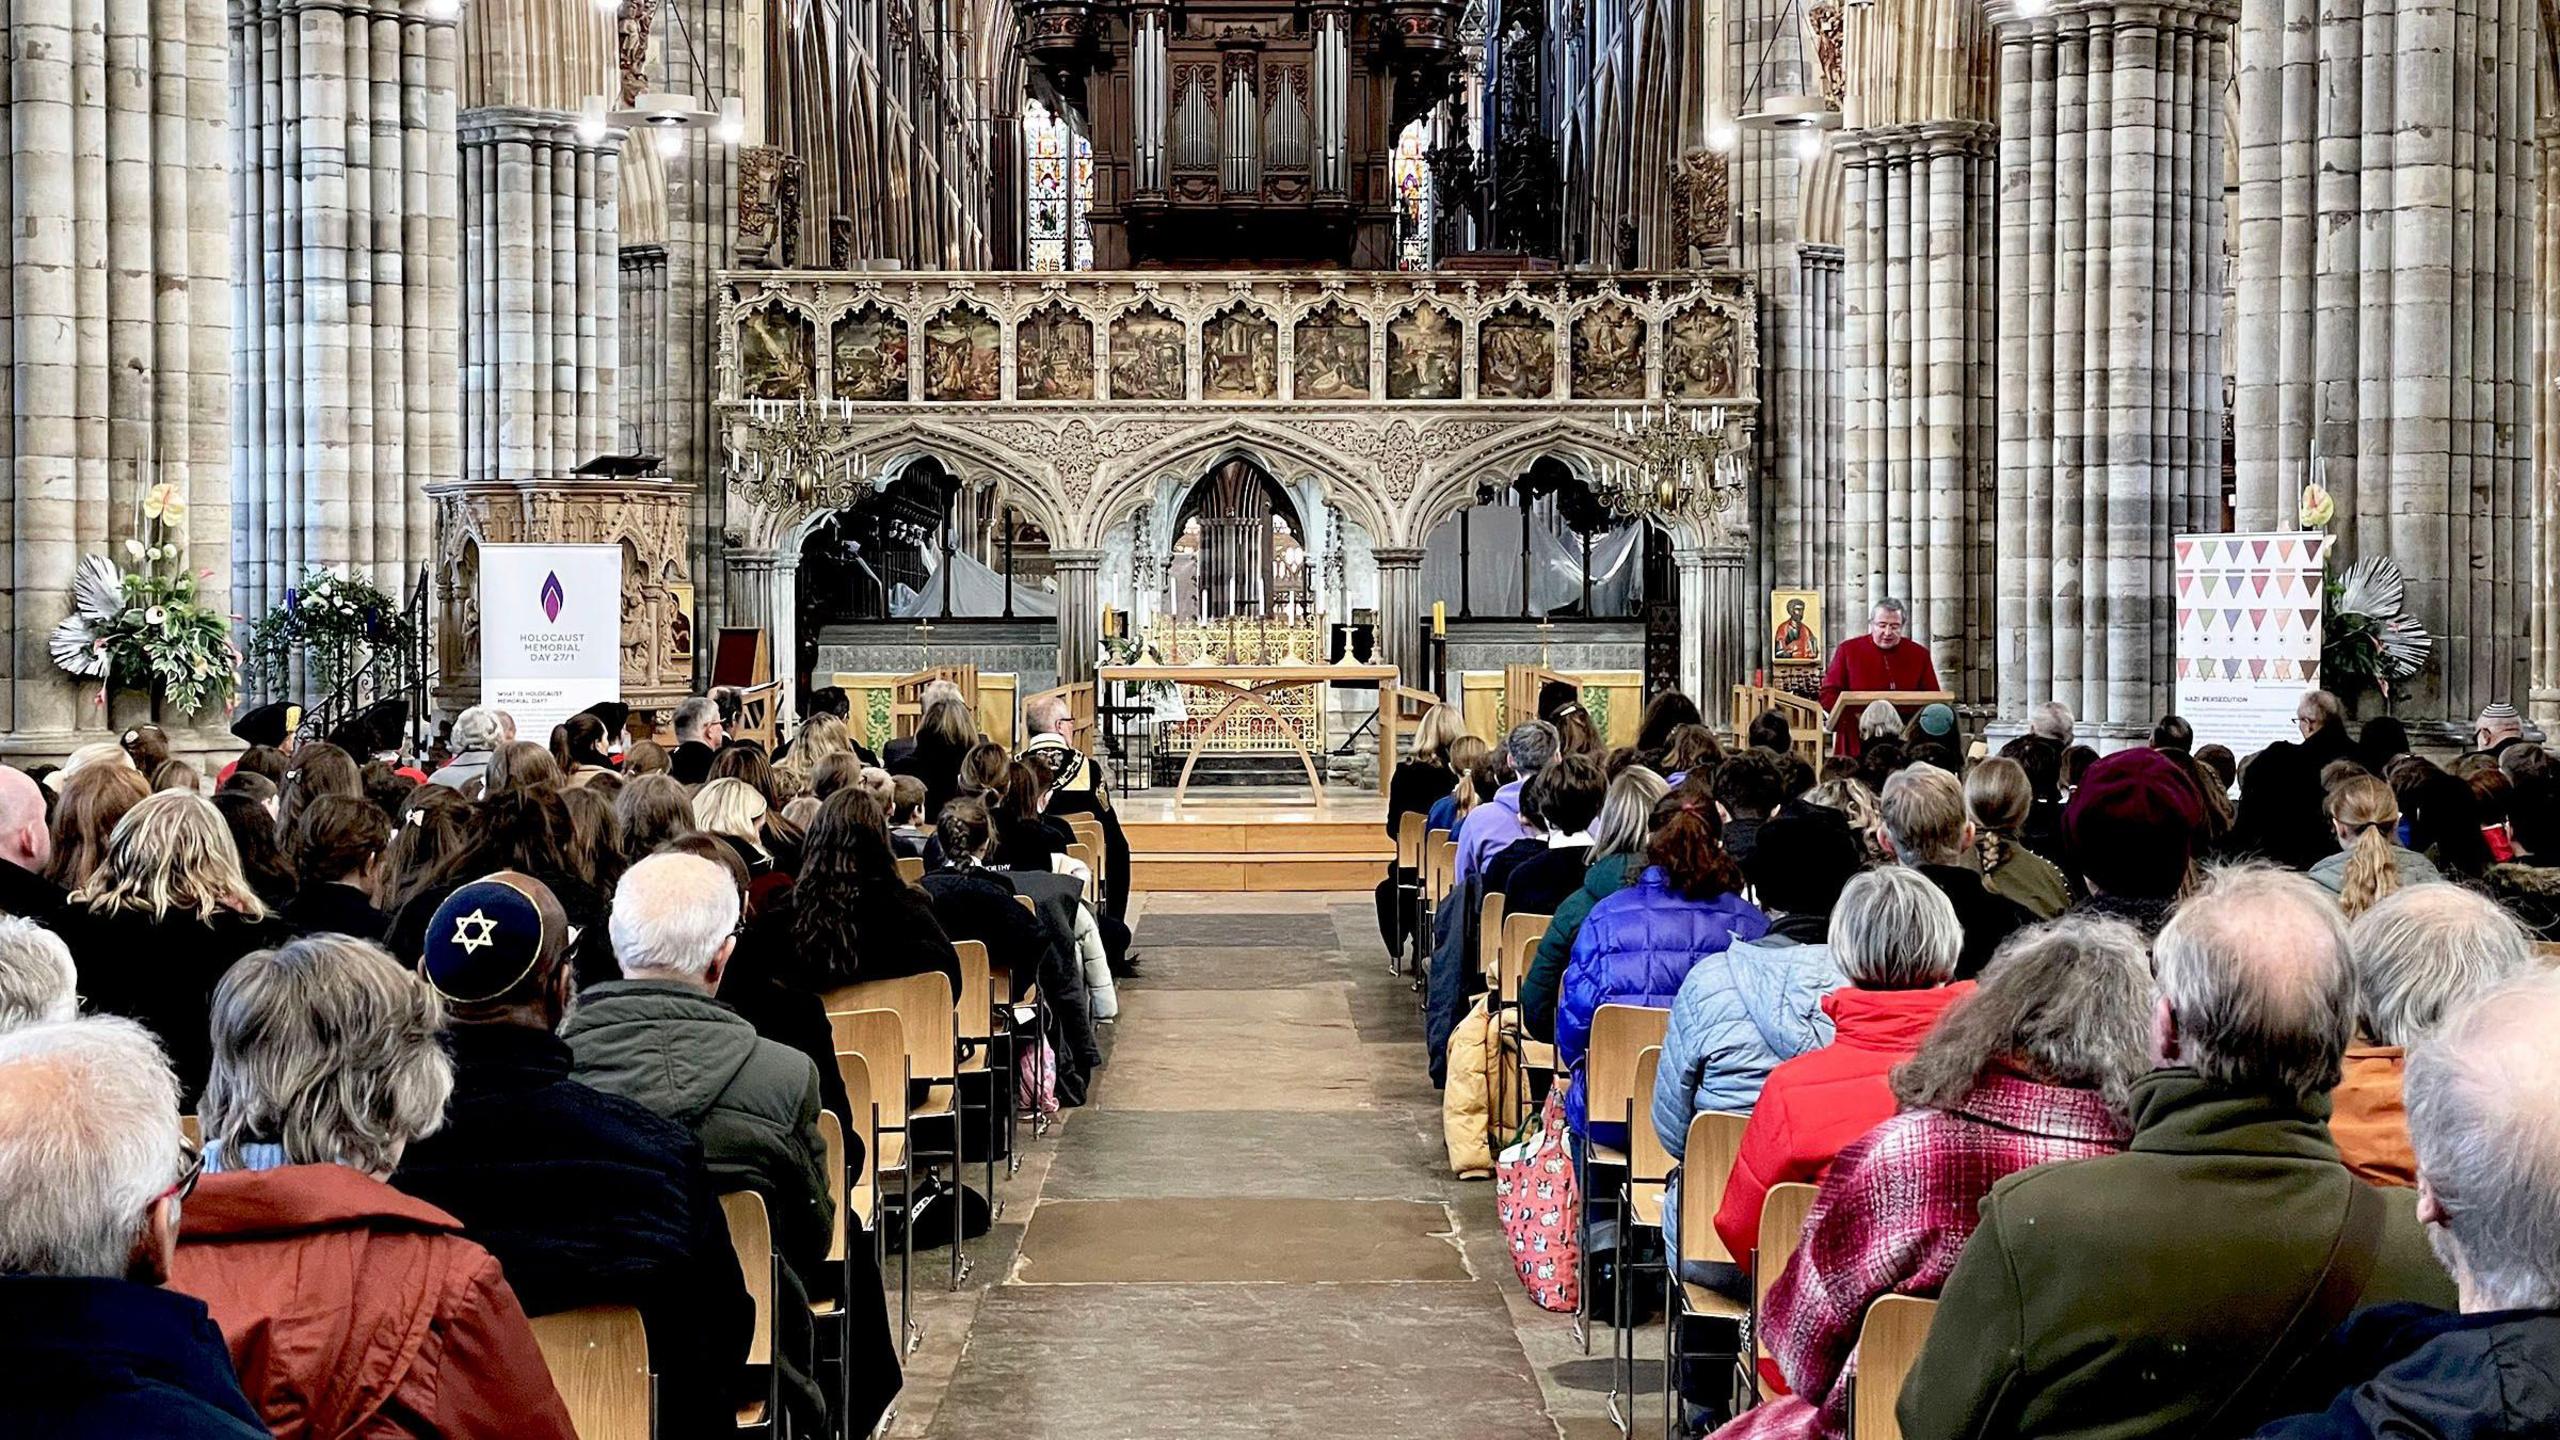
{"x":2249,"y":611}
{"x":550,"y":631}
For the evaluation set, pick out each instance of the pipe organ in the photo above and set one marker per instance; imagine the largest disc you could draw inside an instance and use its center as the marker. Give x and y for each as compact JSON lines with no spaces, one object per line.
{"x":1244,"y":133}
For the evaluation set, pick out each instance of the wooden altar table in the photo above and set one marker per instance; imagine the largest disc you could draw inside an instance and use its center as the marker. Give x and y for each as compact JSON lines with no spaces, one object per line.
{"x":1250,"y":688}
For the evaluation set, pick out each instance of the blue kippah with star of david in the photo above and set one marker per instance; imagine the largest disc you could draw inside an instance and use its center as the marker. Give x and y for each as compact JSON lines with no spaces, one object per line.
{"x":483,"y":939}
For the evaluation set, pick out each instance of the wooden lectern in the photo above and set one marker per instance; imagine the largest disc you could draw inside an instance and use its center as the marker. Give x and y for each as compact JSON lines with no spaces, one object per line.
{"x":1806,"y":725}
{"x":743,"y":658}
{"x":1906,"y":703}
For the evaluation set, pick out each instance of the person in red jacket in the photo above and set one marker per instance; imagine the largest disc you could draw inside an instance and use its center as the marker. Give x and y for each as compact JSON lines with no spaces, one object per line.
{"x":1882,"y":659}
{"x":1896,"y":938}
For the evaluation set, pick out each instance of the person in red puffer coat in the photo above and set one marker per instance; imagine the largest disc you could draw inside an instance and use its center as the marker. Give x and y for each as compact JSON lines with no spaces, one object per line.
{"x":1896,"y":938}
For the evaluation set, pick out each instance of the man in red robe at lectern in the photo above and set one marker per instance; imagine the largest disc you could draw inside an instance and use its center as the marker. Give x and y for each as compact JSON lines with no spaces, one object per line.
{"x":1882,"y":659}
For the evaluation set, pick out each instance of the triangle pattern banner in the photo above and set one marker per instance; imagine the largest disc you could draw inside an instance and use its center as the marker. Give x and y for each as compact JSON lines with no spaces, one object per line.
{"x":2248,"y":632}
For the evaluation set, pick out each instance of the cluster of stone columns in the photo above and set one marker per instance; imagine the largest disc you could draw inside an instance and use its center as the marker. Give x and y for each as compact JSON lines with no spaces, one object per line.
{"x":115,"y":317}
{"x":2110,"y":340}
{"x":2388,"y":183}
{"x":643,"y":375}
{"x":345,"y":223}
{"x":1921,"y":229}
{"x":2546,"y":430}
{"x":542,"y":303}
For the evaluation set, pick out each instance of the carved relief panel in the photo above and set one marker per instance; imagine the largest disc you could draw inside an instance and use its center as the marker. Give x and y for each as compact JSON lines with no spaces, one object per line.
{"x":1053,"y":355}
{"x":963,"y":355}
{"x":1423,"y":359}
{"x":1515,"y":355}
{"x":871,"y":355}
{"x":1332,"y":354}
{"x":1239,"y":356}
{"x":1146,"y":355}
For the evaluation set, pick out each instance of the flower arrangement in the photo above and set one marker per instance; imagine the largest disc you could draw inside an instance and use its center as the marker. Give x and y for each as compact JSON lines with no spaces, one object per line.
{"x":2369,"y":636}
{"x":333,"y":621}
{"x":147,"y":628}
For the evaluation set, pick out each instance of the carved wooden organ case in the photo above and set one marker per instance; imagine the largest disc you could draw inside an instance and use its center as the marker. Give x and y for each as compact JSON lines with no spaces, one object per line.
{"x":1245,"y":133}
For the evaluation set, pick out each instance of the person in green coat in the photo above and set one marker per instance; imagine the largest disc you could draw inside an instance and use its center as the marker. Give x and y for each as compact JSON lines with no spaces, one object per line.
{"x":1617,"y":858}
{"x":2170,"y":1290}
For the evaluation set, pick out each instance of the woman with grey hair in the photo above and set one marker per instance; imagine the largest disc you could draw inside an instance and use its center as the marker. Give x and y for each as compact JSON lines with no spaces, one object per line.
{"x":350,"y":1307}
{"x":2033,"y":1070}
{"x":2418,"y":954}
{"x":1896,"y":939}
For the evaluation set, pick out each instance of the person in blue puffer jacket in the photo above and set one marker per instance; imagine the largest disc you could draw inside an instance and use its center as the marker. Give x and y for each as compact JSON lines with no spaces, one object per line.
{"x":1760,"y":1002}
{"x":1640,"y":943}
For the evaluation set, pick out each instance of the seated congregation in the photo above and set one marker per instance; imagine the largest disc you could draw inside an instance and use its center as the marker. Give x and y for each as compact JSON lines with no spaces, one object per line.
{"x":342,"y":1098}
{"x":2051,"y":1094}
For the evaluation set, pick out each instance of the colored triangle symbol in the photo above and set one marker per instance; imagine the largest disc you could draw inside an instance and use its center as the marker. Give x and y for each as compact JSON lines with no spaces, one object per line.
{"x":2231,"y":618}
{"x":2284,"y":550}
{"x":2261,"y":579}
{"x":2257,"y":669}
{"x":2309,"y":617}
{"x":2257,"y":619}
{"x":2186,"y":581}
{"x":2184,"y":547}
{"x":2310,"y":671}
{"x":2262,"y":548}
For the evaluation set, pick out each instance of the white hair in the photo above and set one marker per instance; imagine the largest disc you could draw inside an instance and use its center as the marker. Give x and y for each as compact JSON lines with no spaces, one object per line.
{"x":1050,"y":714}
{"x":670,"y":913}
{"x":89,"y":1139}
{"x":2051,"y":721}
{"x":1879,"y":721}
{"x":2255,"y":972}
{"x":2420,"y":950}
{"x":1922,"y":810}
{"x":2482,"y":1093}
{"x":1893,"y":930}
{"x":102,"y":752}
{"x":38,"y":985}
{"x":937,"y":691}
{"x":477,"y":728}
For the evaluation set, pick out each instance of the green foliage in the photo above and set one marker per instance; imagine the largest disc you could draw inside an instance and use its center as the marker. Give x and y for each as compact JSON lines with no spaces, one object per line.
{"x":334,"y":621}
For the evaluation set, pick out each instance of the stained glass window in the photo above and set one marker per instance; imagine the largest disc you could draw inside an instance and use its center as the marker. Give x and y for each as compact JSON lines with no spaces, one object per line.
{"x":1413,"y":196}
{"x":1059,"y":190}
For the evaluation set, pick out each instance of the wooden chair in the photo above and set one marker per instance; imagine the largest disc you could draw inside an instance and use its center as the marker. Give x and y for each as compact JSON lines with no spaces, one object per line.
{"x":827,"y":1314}
{"x":911,"y":868}
{"x":1029,"y":995}
{"x":862,"y":1127}
{"x":1619,"y":1034}
{"x":1706,"y":1167}
{"x":1091,"y":859}
{"x":1489,"y":937}
{"x":1889,"y":1344}
{"x":1640,"y":1199}
{"x":751,"y":1235}
{"x":599,"y":1361}
{"x":875,"y":1042}
{"x":1782,"y":1216}
{"x":1409,"y":891}
{"x":192,"y":1128}
{"x":1521,"y":935}
{"x":926,"y":1010}
{"x":975,"y":1029}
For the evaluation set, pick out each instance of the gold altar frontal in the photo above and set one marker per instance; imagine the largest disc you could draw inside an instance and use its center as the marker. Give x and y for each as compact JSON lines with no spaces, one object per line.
{"x":1249,"y":691}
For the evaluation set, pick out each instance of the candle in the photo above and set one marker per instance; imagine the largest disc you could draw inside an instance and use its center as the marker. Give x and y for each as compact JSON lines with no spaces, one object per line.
{"x":1439,"y":619}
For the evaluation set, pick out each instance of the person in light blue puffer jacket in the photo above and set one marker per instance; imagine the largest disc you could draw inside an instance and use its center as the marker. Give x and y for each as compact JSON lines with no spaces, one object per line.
{"x":1639,"y":944}
{"x":1760,"y":1002}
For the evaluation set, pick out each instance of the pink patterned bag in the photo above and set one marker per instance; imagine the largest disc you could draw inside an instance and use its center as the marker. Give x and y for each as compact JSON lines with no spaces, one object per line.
{"x":1540,"y":1206}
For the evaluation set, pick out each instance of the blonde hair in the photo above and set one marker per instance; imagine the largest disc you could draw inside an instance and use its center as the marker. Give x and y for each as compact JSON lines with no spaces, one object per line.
{"x":100,"y":752}
{"x":822,"y":736}
{"x":730,"y":806}
{"x":1467,"y":755}
{"x":2366,"y":806}
{"x":1445,"y":725}
{"x":171,"y":851}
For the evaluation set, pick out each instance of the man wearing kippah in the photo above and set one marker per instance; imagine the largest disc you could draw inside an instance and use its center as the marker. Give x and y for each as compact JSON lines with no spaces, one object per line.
{"x":2498,"y":727}
{"x":584,"y":1198}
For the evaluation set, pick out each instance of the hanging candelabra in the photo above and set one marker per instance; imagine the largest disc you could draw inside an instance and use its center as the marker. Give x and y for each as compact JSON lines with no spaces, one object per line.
{"x":792,"y":450}
{"x":1687,"y":465}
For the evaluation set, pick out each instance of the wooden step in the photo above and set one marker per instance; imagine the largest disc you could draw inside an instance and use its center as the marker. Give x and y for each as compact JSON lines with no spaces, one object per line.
{"x":1283,"y":852}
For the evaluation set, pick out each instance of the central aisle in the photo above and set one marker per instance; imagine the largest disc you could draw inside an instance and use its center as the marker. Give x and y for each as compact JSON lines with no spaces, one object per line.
{"x":1251,"y":1231}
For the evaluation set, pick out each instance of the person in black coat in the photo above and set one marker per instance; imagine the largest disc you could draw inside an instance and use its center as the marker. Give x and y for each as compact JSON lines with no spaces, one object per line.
{"x":855,"y":919}
{"x":26,"y":843}
{"x":527,"y":829}
{"x":1421,"y":780}
{"x":942,"y":742}
{"x":159,"y":921}
{"x":584,"y":1198}
{"x":338,"y":844}
{"x":1027,"y":838}
{"x":1570,"y":791}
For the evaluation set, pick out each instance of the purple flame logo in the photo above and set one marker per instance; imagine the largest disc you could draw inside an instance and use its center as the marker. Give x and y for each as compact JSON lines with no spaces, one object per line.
{"x":553,"y":597}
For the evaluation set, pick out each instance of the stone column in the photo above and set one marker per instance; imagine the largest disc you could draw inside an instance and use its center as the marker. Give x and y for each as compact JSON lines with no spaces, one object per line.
{"x":643,"y":378}
{"x":345,"y":348}
{"x":541,"y":292}
{"x":1920,"y":473}
{"x":2386,"y":332}
{"x":1722,"y":643}
{"x":1079,"y":613}
{"x":115,"y":321}
{"x":2110,"y":340}
{"x":1400,"y":613}
{"x":1802,"y":502}
{"x":2546,"y":435}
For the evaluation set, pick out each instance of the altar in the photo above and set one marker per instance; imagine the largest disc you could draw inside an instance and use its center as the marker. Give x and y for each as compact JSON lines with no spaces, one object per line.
{"x":1251,"y":695}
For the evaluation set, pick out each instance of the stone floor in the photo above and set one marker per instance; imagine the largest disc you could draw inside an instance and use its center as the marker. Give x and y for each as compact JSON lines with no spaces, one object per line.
{"x":1251,"y":1230}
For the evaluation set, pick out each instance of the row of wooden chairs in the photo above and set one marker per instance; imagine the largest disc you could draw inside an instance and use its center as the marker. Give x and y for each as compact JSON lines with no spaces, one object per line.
{"x":1621,"y":1068}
